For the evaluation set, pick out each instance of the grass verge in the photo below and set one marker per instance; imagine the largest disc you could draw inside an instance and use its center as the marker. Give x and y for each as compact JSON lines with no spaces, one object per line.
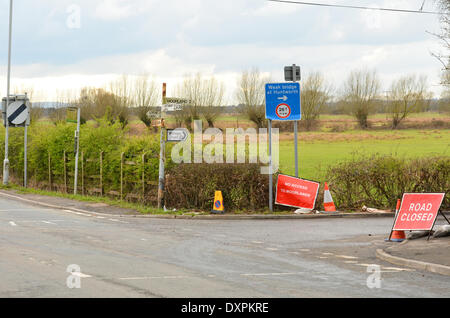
{"x":122,"y":204}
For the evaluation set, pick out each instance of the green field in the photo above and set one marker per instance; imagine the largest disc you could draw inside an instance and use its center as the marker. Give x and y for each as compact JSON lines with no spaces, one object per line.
{"x":316,"y":155}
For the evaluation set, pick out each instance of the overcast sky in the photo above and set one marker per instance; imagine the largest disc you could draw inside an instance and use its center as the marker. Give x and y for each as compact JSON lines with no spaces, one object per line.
{"x":171,"y":38}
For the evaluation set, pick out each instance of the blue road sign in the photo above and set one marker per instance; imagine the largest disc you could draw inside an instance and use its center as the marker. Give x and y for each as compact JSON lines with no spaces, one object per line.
{"x":283,"y":101}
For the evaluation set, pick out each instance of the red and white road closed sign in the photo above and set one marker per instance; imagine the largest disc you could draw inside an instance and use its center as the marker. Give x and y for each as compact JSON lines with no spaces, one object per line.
{"x":296,"y":192}
{"x":418,"y":211}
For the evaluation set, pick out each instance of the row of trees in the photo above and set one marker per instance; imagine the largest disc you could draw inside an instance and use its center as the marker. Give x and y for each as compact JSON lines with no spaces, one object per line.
{"x":360,"y":95}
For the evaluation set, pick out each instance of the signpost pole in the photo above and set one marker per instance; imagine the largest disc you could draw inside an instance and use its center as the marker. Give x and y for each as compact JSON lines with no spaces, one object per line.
{"x":8,"y":77}
{"x":77,"y":148}
{"x":25,"y":147}
{"x":270,"y":168}
{"x":294,"y":79}
{"x":162,"y":152}
{"x":162,"y":160}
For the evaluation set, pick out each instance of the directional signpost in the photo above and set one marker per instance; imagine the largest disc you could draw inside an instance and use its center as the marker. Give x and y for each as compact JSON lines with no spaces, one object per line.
{"x":283,"y":103}
{"x":177,"y":135}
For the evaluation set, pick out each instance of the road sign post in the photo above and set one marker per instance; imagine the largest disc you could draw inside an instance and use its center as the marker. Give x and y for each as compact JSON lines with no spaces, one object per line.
{"x":270,"y":168}
{"x":292,"y":73}
{"x":162,"y":161}
{"x":77,"y":150}
{"x":16,"y":113}
{"x":282,"y":104}
{"x":25,"y":150}
{"x":8,"y":78}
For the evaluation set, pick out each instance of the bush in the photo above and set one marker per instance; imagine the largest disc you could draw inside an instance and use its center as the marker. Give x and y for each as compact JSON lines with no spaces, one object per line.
{"x":192,"y":186}
{"x":95,"y":137}
{"x":378,"y":181}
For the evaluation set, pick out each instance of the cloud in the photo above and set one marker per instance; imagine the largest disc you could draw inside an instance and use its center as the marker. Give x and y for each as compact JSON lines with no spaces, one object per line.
{"x":174,"y":37}
{"x":114,"y":10}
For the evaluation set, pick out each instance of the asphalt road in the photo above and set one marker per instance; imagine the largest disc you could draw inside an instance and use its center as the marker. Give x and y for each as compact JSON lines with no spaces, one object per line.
{"x":135,"y":257}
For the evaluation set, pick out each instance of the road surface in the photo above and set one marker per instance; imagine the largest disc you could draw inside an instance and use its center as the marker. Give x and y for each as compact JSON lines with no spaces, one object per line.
{"x":136,"y":257}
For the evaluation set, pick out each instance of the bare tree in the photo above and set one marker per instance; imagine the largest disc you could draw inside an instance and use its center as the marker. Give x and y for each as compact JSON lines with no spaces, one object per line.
{"x":360,"y":92}
{"x":407,"y":94}
{"x":213,"y":92}
{"x":121,"y":90}
{"x":205,"y":96}
{"x":97,"y":103}
{"x":315,"y":95}
{"x":58,"y":113}
{"x":444,"y":37}
{"x":251,"y":95}
{"x":145,"y":96}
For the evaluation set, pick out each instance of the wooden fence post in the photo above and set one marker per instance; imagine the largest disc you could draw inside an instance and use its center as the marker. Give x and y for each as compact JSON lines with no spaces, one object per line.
{"x":101,"y":173}
{"x":49,"y":172}
{"x":82,"y":173}
{"x":143,"y":177}
{"x":121,"y":176}
{"x":65,"y":172}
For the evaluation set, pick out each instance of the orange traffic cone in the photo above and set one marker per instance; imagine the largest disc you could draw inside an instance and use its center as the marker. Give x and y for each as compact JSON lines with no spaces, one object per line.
{"x":397,"y":236}
{"x":328,"y":203}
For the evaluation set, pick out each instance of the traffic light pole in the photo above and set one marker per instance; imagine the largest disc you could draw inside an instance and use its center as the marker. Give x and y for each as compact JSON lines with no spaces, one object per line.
{"x":8,"y":77}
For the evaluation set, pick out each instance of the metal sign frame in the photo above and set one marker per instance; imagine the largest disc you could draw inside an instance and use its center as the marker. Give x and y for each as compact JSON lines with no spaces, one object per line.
{"x":13,"y":99}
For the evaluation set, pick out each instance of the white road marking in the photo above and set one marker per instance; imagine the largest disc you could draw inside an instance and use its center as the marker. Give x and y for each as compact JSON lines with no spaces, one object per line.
{"x":399,"y":269}
{"x":271,"y":274}
{"x":305,"y":250}
{"x":100,"y":217}
{"x":346,"y":257}
{"x":154,"y":277}
{"x":271,"y":249}
{"x":351,"y":262}
{"x":327,"y":254}
{"x":77,"y":213}
{"x":115,"y":220}
{"x":12,"y":223}
{"x":321,"y":277}
{"x":81,"y":275}
{"x":48,"y":222}
{"x":257,"y":242}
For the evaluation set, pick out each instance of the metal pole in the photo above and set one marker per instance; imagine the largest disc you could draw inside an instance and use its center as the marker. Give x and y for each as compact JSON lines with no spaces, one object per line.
{"x":77,"y":143}
{"x":25,"y":163}
{"x":162,"y":160}
{"x":25,"y":148}
{"x":8,"y":78}
{"x":270,"y":168}
{"x":294,"y":79}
